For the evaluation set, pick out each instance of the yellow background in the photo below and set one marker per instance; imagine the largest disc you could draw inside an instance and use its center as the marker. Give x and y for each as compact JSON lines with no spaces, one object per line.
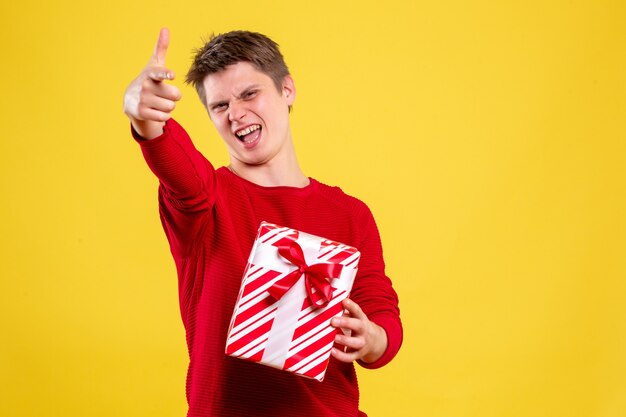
{"x":487,"y":137}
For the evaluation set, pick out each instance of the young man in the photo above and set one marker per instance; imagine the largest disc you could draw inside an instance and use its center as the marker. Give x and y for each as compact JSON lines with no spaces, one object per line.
{"x":211,"y":217}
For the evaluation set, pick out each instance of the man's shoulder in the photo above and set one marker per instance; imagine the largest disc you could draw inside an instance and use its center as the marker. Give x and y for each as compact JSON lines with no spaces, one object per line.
{"x":336,"y":196}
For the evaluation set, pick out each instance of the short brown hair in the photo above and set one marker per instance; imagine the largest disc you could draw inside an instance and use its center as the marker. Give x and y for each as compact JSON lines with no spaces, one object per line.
{"x":232,"y":47}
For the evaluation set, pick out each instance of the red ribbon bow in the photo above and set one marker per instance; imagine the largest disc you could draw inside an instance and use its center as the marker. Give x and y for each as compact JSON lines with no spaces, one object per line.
{"x":315,"y":276}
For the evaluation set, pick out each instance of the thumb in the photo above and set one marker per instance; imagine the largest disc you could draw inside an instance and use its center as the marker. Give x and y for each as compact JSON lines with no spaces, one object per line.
{"x":160,"y":49}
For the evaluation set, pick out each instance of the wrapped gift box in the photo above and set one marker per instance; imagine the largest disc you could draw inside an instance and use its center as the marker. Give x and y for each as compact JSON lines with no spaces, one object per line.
{"x":292,"y":287}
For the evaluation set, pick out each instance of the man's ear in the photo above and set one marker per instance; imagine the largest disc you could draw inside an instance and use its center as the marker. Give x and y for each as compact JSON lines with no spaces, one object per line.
{"x":289,"y":89}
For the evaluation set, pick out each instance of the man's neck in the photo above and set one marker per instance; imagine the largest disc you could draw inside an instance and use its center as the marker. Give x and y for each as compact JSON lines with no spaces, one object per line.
{"x":272,"y":174}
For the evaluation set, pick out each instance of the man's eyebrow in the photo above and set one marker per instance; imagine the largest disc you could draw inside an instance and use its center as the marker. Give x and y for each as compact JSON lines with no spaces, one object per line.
{"x":247,"y":89}
{"x":215,"y":103}
{"x":240,"y":95}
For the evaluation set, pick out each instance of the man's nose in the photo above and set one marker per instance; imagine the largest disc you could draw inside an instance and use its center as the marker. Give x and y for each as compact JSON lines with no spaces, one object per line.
{"x":236,"y":111}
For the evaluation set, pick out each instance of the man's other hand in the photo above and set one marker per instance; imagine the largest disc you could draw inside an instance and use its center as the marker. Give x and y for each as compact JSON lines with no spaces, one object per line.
{"x":367,"y":341}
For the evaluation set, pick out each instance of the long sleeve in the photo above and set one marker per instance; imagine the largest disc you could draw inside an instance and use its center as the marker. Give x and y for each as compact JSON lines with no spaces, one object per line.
{"x":374,"y":293}
{"x":186,"y":185}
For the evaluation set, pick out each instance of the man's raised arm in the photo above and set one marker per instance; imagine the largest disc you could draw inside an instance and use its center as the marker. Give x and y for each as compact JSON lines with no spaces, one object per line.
{"x":148,"y":100}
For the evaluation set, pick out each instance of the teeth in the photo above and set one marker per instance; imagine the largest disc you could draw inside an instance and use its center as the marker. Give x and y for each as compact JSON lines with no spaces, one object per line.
{"x":247,"y":130}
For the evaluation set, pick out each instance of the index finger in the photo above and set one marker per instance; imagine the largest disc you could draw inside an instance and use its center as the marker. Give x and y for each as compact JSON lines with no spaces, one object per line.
{"x":160,"y":74}
{"x":354,"y":309}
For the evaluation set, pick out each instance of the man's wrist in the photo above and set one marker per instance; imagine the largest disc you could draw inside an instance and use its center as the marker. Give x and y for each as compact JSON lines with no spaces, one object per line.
{"x":147,"y":129}
{"x":379,"y":346}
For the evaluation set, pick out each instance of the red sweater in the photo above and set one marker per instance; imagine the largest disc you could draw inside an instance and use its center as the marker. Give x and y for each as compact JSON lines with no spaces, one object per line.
{"x":211,"y":218}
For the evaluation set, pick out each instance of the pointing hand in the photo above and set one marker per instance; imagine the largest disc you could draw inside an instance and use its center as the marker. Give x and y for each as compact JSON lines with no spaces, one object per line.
{"x":148,"y":100}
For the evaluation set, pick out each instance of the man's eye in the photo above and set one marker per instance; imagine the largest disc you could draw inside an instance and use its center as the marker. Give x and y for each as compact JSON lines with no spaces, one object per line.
{"x":249,"y":94}
{"x":220,"y":107}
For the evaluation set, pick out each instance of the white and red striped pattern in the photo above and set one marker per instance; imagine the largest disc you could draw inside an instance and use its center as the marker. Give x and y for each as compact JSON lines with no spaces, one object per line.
{"x":290,"y":333}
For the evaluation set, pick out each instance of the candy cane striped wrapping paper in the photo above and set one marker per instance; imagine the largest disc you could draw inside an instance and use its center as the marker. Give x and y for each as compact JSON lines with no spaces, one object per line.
{"x":290,"y":333}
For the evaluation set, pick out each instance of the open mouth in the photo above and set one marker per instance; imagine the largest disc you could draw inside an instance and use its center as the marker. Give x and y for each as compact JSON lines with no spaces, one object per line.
{"x":249,"y":134}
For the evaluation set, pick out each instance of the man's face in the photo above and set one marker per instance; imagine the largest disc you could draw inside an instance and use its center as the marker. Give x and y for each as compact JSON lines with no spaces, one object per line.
{"x":250,"y":114}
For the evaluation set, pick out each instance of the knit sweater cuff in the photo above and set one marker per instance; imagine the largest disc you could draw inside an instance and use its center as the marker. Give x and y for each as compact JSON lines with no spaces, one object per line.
{"x":393,"y":328}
